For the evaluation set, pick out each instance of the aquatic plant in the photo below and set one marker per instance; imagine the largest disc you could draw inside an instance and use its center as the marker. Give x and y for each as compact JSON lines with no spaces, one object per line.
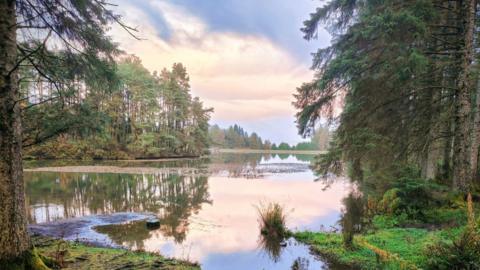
{"x":273,"y":230}
{"x":272,"y":220}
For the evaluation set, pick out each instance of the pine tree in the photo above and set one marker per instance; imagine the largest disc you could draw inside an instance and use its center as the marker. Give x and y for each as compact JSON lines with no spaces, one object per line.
{"x":404,"y":71}
{"x":26,"y":27}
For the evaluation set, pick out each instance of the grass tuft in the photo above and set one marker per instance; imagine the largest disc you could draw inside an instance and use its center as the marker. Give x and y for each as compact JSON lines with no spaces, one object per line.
{"x":272,"y":220}
{"x":272,"y":229}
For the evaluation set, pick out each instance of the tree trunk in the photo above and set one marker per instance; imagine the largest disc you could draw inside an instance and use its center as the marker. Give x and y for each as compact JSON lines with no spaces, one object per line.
{"x":461,"y":160}
{"x":14,"y":238}
{"x":476,"y":135}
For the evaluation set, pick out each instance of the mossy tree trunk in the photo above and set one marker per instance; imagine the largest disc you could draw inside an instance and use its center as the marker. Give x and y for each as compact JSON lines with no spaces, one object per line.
{"x":15,"y":244}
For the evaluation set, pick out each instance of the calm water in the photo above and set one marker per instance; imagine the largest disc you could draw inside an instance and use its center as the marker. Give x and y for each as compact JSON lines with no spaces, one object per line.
{"x":207,"y":207}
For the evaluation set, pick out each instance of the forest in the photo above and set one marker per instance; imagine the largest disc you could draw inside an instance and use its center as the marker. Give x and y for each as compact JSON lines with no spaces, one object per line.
{"x":236,"y":137}
{"x":144,"y":115}
{"x":406,"y":74}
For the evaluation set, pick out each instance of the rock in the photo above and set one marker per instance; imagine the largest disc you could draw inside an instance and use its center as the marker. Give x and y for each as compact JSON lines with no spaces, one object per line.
{"x":153,"y":223}
{"x":283,"y":243}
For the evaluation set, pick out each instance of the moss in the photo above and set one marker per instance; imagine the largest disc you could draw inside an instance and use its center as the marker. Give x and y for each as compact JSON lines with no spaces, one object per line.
{"x":31,"y":260}
{"x":71,"y":255}
{"x":405,"y":247}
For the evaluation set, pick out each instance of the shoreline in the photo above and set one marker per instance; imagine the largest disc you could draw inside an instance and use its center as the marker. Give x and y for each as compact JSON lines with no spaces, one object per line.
{"x":117,"y":169}
{"x":188,"y":157}
{"x":82,"y":247}
{"x":266,"y":151}
{"x":71,"y":255}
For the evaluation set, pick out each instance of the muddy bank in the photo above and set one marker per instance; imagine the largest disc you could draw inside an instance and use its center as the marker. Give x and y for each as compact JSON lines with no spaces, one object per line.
{"x":82,"y":229}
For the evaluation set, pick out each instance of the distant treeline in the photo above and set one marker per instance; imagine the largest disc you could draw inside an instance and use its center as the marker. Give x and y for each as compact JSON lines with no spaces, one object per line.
{"x":236,"y":137}
{"x":319,"y":141}
{"x":145,"y":115}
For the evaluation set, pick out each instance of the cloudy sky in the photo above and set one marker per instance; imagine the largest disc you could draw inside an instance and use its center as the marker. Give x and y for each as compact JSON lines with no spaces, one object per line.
{"x":245,"y":57}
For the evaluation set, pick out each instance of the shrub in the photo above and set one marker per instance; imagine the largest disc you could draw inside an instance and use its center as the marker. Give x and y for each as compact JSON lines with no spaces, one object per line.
{"x":386,"y":221}
{"x":460,"y":253}
{"x":415,"y":193}
{"x":411,"y":195}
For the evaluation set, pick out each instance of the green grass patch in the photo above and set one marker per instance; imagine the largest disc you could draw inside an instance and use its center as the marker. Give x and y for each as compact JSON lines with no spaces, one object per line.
{"x":406,"y":245}
{"x":77,"y":256}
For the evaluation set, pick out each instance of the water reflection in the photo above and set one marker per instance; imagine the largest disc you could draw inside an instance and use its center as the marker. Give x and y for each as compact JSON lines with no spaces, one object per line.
{"x":173,"y":198}
{"x":212,"y":220}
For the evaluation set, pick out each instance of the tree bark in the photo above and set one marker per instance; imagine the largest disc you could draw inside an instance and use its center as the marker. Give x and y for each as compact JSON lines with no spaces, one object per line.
{"x":14,"y":238}
{"x":461,"y":161}
{"x":475,"y":135}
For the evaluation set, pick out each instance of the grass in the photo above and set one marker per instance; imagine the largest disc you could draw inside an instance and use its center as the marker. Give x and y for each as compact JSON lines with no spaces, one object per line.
{"x":77,"y":256}
{"x":273,"y":230}
{"x":272,"y":220}
{"x":394,"y":248}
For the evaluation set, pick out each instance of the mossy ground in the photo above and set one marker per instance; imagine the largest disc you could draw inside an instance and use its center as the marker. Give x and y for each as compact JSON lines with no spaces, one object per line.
{"x":77,"y":256}
{"x":406,"y":245}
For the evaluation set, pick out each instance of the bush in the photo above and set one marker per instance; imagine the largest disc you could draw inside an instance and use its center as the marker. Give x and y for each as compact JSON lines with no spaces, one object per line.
{"x":409,"y":196}
{"x":385,"y":221}
{"x":460,"y":253}
{"x":415,"y":193}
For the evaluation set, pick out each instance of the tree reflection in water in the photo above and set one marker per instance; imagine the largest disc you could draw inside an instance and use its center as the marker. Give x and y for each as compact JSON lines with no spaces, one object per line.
{"x":171,"y":197}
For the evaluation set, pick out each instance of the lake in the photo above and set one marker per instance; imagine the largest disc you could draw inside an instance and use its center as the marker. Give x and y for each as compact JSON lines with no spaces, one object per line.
{"x":207,"y":207}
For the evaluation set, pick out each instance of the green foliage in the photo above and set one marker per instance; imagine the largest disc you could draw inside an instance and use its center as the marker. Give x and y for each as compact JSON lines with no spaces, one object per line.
{"x":406,"y":245}
{"x":393,"y":68}
{"x":411,"y":194}
{"x":236,"y":137}
{"x":146,"y":116}
{"x":461,"y":253}
{"x":305,"y":146}
{"x":330,"y":245}
{"x":407,"y":198}
{"x":388,"y":221}
{"x":284,"y":146}
{"x":458,"y":252}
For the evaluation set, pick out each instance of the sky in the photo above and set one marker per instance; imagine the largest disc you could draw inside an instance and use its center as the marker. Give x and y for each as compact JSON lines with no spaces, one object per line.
{"x":245,"y":58}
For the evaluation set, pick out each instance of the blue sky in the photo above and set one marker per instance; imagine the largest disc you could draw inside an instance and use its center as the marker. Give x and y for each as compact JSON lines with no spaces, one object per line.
{"x":245,"y":57}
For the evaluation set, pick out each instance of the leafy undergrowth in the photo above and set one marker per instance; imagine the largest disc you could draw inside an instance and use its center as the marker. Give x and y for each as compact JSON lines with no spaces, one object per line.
{"x":69,"y":255}
{"x":394,"y":248}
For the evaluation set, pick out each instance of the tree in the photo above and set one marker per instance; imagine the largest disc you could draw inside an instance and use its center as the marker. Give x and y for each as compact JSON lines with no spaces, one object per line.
{"x":274,"y":146}
{"x":236,"y":137}
{"x":284,"y":146}
{"x":25,"y":29}
{"x":147,"y":115}
{"x":405,"y":73}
